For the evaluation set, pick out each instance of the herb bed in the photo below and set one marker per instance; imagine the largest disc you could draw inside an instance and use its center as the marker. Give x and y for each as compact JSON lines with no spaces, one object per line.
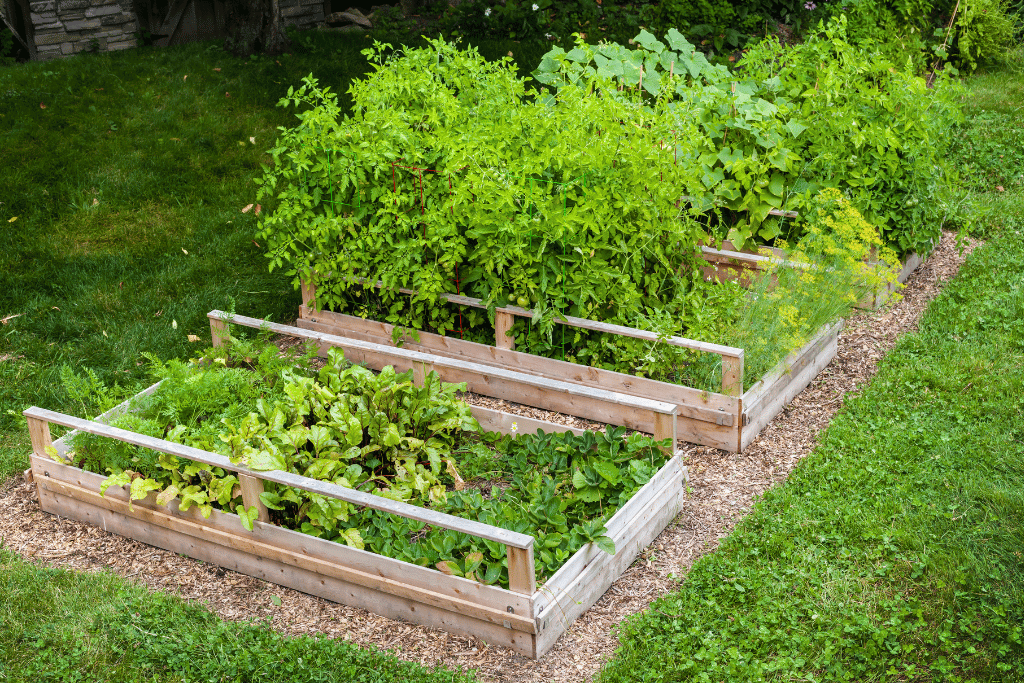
{"x":521,"y":617}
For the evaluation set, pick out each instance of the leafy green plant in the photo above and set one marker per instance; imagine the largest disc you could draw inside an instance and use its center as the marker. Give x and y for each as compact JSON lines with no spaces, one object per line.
{"x":377,"y":433}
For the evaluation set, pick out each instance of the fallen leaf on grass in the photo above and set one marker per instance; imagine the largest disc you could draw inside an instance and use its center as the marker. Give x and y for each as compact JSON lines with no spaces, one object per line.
{"x":42,"y":106}
{"x":186,"y":77}
{"x":11,"y":317}
{"x":104,"y":333}
{"x":247,"y":209}
{"x":252,"y":140}
{"x":1000,"y":188}
{"x":12,"y":219}
{"x":54,"y":308}
{"x":227,"y":94}
{"x":193,"y":338}
{"x":174,"y":324}
{"x":216,"y":68}
{"x":95,"y":202}
{"x":184,"y":251}
{"x":258,"y":209}
{"x":158,"y":313}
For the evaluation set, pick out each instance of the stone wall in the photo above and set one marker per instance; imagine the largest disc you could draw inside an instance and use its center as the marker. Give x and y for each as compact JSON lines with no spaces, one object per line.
{"x":66,"y":27}
{"x":302,"y":14}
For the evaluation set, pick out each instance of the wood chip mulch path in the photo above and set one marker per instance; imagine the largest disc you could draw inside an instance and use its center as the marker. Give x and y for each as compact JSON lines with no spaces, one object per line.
{"x":724,"y":486}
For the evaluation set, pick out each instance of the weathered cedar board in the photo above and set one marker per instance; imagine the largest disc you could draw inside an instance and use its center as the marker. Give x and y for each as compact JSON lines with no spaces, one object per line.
{"x":729,"y":264}
{"x":382,"y":585}
{"x":703,"y":418}
{"x":767,"y":398}
{"x":595,"y":403}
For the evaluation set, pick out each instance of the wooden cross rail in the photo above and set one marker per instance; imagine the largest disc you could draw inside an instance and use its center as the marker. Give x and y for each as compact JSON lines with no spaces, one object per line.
{"x":591,"y":401}
{"x":519,"y":547}
{"x":504,"y":316}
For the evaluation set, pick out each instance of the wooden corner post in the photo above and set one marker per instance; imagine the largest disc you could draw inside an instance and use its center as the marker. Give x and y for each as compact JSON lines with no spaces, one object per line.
{"x":308,"y":293}
{"x":39,"y":432}
{"x":252,"y":487}
{"x":665,"y":428}
{"x":219,"y":331}
{"x":503,"y":338}
{"x":521,"y":576}
{"x":732,"y":375}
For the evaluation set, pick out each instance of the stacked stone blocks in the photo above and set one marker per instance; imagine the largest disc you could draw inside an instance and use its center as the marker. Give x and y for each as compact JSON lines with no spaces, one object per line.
{"x":66,"y":27}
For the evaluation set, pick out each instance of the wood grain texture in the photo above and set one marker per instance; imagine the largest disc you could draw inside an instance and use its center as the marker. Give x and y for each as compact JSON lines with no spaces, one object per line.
{"x":692,"y":403}
{"x":237,"y":539}
{"x":279,"y":569}
{"x":502,"y":330}
{"x":251,"y":490}
{"x":499,"y":599}
{"x":353,"y":496}
{"x":586,"y":324}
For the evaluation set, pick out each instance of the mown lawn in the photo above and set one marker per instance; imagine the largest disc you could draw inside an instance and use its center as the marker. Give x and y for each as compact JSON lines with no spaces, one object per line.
{"x":894,"y":551}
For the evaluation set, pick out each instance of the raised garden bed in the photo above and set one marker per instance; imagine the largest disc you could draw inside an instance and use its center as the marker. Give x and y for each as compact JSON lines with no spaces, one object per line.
{"x":522,"y":617}
{"x":728,"y":420}
{"x":730,"y":264}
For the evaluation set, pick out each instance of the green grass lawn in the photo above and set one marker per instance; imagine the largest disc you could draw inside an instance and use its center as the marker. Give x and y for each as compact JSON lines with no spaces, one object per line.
{"x":892,"y":553}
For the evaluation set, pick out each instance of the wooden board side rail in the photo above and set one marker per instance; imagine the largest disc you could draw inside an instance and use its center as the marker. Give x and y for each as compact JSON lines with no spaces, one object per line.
{"x":732,"y":357}
{"x":655,"y":417}
{"x":728,"y":263}
{"x":521,"y":569}
{"x":527,"y":621}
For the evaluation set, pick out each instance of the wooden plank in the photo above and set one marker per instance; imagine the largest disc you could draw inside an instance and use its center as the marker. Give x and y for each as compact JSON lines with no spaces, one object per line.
{"x":786,"y":387}
{"x":503,"y":338}
{"x":732,"y":376}
{"x":588,"y":587}
{"x":305,"y":580}
{"x":328,"y":489}
{"x":305,"y":545}
{"x":522,"y":577}
{"x":218,"y":331}
{"x":693,"y":403}
{"x":257,"y":548}
{"x":617,"y":526}
{"x":758,"y":393}
{"x":491,"y":382}
{"x":39,"y":433}
{"x":507,"y":423}
{"x":251,"y":490}
{"x":665,"y":428}
{"x":594,"y":325}
{"x":406,"y":358}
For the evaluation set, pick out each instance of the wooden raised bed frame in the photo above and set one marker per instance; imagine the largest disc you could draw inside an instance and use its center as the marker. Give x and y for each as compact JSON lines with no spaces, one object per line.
{"x":729,"y":420}
{"x":525,"y":618}
{"x":730,"y":264}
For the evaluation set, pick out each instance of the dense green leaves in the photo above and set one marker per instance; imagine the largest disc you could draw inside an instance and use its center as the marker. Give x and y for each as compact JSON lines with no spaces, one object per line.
{"x":381,"y":434}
